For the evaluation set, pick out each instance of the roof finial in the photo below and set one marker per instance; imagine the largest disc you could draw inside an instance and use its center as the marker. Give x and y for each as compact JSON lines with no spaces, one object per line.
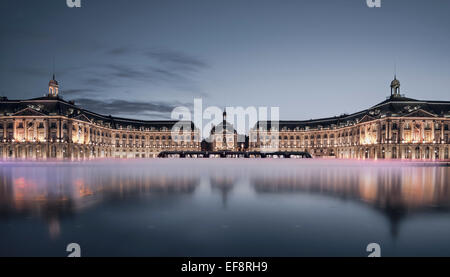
{"x":395,"y":69}
{"x":53,"y":68}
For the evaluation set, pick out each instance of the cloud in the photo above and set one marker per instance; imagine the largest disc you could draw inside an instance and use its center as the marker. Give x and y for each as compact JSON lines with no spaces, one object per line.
{"x":155,"y":75}
{"x":118,"y":51}
{"x":117,"y":107}
{"x":127,"y":72}
{"x":98,"y":82}
{"x":77,"y":92}
{"x":127,"y":69}
{"x":161,"y":55}
{"x":165,"y":65}
{"x":175,"y":59}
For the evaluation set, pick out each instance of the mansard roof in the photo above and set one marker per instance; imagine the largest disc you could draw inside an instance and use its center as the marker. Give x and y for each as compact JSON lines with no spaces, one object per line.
{"x":396,"y":106}
{"x":54,"y":106}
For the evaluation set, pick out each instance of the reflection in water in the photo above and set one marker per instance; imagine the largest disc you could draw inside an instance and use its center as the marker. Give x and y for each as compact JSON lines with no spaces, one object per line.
{"x":57,"y":192}
{"x":394,"y":191}
{"x":224,"y":184}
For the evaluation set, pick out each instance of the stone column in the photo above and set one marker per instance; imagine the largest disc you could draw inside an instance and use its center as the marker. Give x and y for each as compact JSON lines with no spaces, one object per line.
{"x":14,"y":130}
{"x":88,"y":135}
{"x":388,"y":127}
{"x":35,"y":129}
{"x":25,"y":130}
{"x":5,"y":125}
{"x":60,"y":130}
{"x":432,"y":132}
{"x":422,"y":124}
{"x":402,"y":132}
{"x":69,"y":140}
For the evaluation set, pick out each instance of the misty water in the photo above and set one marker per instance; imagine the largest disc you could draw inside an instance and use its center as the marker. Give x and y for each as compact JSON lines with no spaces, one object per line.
{"x":224,"y":207}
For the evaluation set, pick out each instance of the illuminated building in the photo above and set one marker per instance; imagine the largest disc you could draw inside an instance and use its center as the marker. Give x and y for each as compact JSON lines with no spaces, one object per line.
{"x":50,"y":127}
{"x":224,"y":136}
{"x":397,"y":128}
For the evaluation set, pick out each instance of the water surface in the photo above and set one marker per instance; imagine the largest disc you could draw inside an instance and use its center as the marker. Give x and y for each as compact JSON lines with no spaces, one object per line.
{"x":224,"y":208}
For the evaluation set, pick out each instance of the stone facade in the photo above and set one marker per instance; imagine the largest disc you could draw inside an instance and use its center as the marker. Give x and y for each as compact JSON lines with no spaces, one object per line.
{"x":224,"y":137}
{"x":50,"y":127}
{"x":397,"y":128}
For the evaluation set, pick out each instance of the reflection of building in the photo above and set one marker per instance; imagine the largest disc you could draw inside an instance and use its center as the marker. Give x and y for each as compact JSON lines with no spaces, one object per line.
{"x":224,"y":136}
{"x":397,"y":128}
{"x":50,"y":127}
{"x":396,"y":192}
{"x":53,"y":193}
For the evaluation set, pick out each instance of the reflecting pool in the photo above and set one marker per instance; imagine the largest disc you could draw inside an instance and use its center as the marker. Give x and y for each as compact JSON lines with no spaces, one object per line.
{"x":224,"y":207}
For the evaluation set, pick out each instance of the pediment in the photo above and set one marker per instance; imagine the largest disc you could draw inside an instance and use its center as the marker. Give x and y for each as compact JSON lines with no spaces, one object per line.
{"x":82,"y":117}
{"x":420,"y":113}
{"x":29,"y":112}
{"x":366,"y":118}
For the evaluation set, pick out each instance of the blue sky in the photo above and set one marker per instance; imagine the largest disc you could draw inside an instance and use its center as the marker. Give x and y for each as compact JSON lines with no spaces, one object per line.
{"x":141,"y":58}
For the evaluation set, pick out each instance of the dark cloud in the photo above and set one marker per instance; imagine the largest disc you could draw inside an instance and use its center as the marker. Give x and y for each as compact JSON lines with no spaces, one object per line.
{"x":72,"y":91}
{"x":175,"y":59}
{"x":146,"y":74}
{"x":165,"y":65}
{"x":119,"y":107}
{"x":161,"y":55}
{"x":98,"y":82}
{"x":77,"y":92}
{"x":128,"y":72}
{"x":118,"y":51}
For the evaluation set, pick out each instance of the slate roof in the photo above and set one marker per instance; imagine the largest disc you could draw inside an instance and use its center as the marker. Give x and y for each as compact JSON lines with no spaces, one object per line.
{"x":398,"y":106}
{"x":57,"y":106}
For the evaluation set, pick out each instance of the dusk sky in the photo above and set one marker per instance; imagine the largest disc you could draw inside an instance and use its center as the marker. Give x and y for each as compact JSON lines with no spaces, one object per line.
{"x":141,"y":58}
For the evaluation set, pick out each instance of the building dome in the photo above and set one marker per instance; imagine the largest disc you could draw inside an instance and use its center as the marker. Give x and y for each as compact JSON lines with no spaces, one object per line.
{"x":395,"y":87}
{"x":53,"y":87}
{"x":395,"y":83}
{"x":53,"y":82}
